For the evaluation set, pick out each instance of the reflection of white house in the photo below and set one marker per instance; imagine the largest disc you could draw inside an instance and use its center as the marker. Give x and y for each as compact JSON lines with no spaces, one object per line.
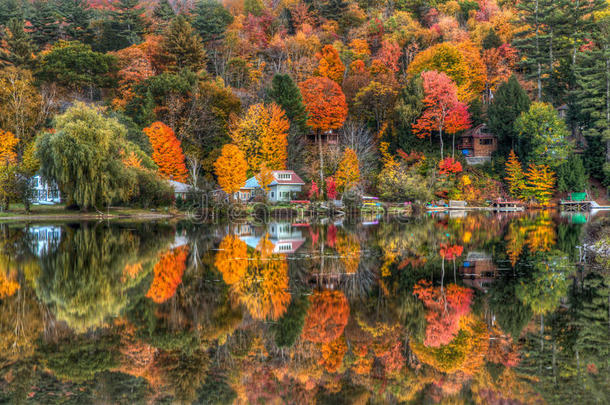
{"x":285,"y":186}
{"x":44,"y":238}
{"x":286,"y":239}
{"x":44,"y":192}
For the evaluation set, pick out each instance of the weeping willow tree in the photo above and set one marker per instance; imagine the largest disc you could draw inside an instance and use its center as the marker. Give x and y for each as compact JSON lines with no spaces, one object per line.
{"x":85,"y":282}
{"x":83,"y":156}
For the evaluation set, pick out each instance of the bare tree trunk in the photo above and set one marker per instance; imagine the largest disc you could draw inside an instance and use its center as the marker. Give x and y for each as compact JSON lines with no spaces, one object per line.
{"x":321,"y":159}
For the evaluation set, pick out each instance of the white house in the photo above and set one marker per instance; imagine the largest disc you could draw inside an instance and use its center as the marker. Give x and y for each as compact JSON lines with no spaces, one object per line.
{"x":43,"y":192}
{"x":285,"y":186}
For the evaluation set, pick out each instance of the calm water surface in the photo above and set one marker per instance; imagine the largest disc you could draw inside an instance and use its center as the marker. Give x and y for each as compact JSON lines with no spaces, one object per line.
{"x":473,"y":309}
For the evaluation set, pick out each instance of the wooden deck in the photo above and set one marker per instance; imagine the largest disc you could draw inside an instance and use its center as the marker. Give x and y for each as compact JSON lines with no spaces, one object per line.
{"x":568,"y":205}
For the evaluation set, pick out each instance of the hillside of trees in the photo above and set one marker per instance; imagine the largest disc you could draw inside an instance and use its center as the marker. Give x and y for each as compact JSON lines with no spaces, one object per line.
{"x":110,"y":97}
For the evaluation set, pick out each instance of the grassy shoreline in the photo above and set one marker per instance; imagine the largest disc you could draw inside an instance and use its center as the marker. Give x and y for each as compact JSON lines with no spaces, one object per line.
{"x":59,"y":212}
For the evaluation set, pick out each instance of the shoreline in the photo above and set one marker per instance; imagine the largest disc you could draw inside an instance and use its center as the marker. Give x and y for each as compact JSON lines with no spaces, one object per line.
{"x":88,"y":217}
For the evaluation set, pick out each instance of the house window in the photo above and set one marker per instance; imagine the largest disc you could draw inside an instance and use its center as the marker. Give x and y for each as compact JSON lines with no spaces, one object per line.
{"x":284,"y":176}
{"x":272,"y":194}
{"x":488,"y":141}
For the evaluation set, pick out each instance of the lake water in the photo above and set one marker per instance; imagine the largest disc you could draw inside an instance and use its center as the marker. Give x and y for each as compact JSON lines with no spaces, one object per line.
{"x":474,"y":309}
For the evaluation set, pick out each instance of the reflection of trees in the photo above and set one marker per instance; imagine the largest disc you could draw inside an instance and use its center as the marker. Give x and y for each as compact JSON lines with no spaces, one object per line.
{"x":83,"y":280}
{"x":445,"y":307}
{"x":537,"y":233}
{"x":262,"y":287}
{"x":465,"y":352}
{"x":327,"y":316}
{"x":168,"y":274}
{"x":546,"y":283}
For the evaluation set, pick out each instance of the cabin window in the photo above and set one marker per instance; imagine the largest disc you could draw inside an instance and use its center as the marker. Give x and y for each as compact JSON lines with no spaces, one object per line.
{"x":486,"y":141}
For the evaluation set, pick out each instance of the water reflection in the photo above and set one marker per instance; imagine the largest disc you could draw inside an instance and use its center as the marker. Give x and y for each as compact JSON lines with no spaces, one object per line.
{"x":465,"y":309}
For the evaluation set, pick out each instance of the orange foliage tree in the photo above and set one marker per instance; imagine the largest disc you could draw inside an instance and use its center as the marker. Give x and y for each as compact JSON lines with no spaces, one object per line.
{"x":167,"y":152}
{"x":168,"y":274}
{"x":330,"y":64}
{"x":326,"y":317}
{"x":324,"y":102}
{"x":348,"y":173}
{"x":326,"y":108}
{"x":262,"y":134}
{"x":333,"y":353}
{"x":232,"y":259}
{"x":134,"y":67}
{"x":231,"y":169}
{"x":449,"y":166}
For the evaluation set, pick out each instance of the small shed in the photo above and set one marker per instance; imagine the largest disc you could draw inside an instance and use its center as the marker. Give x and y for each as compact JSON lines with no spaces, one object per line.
{"x":180,"y":189}
{"x":478,"y":144}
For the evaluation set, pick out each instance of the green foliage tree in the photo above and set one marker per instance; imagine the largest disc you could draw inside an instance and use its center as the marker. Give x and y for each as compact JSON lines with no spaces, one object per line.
{"x":163,"y":11}
{"x":76,"y":66}
{"x":571,"y":175}
{"x":285,"y":93}
{"x":543,"y":136}
{"x":182,"y":46}
{"x":407,"y":110}
{"x":211,"y":19}
{"x":509,"y":101}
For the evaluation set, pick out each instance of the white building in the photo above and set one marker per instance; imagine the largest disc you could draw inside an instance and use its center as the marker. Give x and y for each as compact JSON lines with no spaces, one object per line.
{"x":43,"y":192}
{"x":285,"y":186}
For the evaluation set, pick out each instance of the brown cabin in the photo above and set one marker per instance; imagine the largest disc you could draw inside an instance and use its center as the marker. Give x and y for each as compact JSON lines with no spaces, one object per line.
{"x":478,"y":144}
{"x":327,"y":138}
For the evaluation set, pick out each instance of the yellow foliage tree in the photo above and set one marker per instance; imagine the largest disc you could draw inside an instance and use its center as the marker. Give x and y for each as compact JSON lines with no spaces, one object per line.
{"x":264,"y":177}
{"x":231,"y":169}
{"x":539,"y":183}
{"x":348,"y":173}
{"x":514,"y":175}
{"x":8,"y":142}
{"x":262,"y":135}
{"x":333,"y":353}
{"x":232,"y":259}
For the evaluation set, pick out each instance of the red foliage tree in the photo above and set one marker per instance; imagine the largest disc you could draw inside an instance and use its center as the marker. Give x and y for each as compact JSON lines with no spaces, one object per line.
{"x":331,"y":189}
{"x":443,"y":113}
{"x":449,"y":166}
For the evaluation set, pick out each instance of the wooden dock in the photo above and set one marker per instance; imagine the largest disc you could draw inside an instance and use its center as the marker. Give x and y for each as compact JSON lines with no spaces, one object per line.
{"x":501,"y":205}
{"x":568,"y":205}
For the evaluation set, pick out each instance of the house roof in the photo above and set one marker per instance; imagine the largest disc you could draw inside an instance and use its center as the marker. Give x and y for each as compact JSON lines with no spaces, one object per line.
{"x":180,"y":187}
{"x":252,"y":183}
{"x":477,"y":132}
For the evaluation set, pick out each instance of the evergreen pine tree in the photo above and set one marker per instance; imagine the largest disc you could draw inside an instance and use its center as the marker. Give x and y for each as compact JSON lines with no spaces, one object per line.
{"x":571,"y":175}
{"x":129,"y":23}
{"x":334,"y":9}
{"x":45,"y":20}
{"x":76,"y":16}
{"x":182,"y":46}
{"x":287,"y":95}
{"x":10,"y":9}
{"x":593,"y":95}
{"x":211,"y":19}
{"x":491,"y":40}
{"x":19,"y":49}
{"x":163,"y":14}
{"x":538,"y":41}
{"x":509,"y":101}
